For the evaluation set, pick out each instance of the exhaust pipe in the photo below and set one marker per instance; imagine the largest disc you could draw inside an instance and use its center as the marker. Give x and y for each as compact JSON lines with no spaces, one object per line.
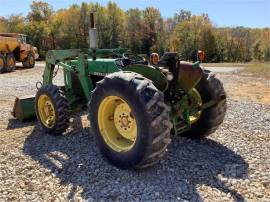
{"x":92,"y":32}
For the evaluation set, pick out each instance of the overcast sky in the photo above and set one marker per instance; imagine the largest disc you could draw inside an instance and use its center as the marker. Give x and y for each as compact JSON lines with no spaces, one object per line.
{"x":249,"y":13}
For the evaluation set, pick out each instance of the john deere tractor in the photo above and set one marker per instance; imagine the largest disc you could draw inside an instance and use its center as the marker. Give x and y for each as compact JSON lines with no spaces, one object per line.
{"x":134,"y":105}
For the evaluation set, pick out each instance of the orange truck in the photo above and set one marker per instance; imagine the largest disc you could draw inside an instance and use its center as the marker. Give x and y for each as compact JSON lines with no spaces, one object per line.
{"x":14,"y":48}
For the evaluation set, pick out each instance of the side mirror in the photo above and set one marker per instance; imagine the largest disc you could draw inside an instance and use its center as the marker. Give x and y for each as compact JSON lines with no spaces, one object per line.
{"x":201,"y":55}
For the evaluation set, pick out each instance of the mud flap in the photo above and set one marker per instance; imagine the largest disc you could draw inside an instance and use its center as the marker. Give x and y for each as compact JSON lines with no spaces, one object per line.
{"x":24,"y":108}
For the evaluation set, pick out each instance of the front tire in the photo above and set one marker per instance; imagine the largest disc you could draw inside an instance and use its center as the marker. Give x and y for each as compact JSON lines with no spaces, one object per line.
{"x":148,"y":110}
{"x":209,"y":88}
{"x":29,"y":61}
{"x":52,"y":110}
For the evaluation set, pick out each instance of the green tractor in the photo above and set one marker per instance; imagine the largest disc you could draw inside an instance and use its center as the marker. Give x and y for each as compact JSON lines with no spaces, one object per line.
{"x":134,"y":106}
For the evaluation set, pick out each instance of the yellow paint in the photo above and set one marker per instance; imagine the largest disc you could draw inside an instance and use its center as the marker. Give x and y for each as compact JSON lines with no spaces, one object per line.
{"x":23,"y":55}
{"x":8,"y":44}
{"x":46,"y":111}
{"x":117,"y":123}
{"x":197,"y":101}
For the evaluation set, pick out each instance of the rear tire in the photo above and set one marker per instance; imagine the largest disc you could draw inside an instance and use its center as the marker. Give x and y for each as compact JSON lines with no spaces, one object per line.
{"x":10,"y":63}
{"x":151,"y":114}
{"x":209,"y":88}
{"x":29,"y":61}
{"x":60,"y":106}
{"x":2,"y":64}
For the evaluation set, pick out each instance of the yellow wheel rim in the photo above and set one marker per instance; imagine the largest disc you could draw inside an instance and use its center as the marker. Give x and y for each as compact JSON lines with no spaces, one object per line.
{"x":46,"y":111}
{"x":196,"y":101}
{"x":117,"y":124}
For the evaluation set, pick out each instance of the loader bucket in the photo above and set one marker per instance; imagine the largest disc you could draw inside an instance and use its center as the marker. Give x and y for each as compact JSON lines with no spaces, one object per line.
{"x":24,"y":108}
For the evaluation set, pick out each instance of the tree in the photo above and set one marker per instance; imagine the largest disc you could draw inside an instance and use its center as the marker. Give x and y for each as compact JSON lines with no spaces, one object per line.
{"x":257,"y":51}
{"x":134,"y":30}
{"x":142,"y":31}
{"x":266,"y":55}
{"x":192,"y":35}
{"x":16,"y":23}
{"x":3,"y":24}
{"x":151,"y":18}
{"x":40,"y":11}
{"x":39,"y":26}
{"x":182,"y":16}
{"x":208,"y":44}
{"x":116,"y":18}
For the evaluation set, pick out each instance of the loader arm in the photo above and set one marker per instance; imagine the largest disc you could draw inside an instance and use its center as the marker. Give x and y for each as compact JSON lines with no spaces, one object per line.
{"x":80,"y":70}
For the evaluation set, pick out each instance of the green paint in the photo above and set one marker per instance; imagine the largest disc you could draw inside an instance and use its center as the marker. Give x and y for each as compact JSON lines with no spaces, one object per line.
{"x":152,"y":73}
{"x":196,"y":64}
{"x":86,"y":83}
{"x":78,"y":67}
{"x":24,"y":108}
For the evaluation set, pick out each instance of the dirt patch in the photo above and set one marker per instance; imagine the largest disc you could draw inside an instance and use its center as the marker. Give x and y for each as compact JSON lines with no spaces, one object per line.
{"x":247,"y":87}
{"x":257,"y":69}
{"x":257,"y":93}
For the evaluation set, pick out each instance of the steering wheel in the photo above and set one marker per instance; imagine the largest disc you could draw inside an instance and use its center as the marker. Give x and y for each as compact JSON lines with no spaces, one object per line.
{"x":134,"y":59}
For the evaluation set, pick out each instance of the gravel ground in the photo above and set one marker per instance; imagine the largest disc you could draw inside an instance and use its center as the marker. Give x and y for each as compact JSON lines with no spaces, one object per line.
{"x":231,"y":165}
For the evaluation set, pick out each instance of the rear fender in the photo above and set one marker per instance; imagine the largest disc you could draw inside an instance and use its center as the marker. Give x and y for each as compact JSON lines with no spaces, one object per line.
{"x":159,"y":79}
{"x":189,"y":75}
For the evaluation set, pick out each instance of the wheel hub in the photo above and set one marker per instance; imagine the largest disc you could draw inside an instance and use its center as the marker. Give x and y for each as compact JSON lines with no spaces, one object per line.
{"x":46,"y":111}
{"x":117,"y":124}
{"x":124,"y":122}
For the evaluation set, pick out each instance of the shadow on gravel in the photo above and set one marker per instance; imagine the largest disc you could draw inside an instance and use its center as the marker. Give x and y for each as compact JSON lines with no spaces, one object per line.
{"x":18,"y":68}
{"x":75,"y":160}
{"x":14,"y":124}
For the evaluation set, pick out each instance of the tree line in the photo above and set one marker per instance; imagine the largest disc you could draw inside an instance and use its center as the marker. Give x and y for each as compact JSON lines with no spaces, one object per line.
{"x":141,"y":31}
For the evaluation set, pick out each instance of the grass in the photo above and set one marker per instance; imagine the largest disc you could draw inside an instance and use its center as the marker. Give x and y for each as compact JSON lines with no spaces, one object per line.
{"x":261,"y":69}
{"x":225,"y":64}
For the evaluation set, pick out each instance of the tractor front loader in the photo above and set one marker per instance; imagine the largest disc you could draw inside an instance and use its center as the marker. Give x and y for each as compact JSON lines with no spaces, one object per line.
{"x":134,"y":106}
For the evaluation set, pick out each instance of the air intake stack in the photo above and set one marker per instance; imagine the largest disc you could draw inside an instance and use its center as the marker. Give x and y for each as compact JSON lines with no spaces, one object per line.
{"x":92,"y":32}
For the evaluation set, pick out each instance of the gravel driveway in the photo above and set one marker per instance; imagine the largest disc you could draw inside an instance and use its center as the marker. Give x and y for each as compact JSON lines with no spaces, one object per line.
{"x":231,"y":165}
